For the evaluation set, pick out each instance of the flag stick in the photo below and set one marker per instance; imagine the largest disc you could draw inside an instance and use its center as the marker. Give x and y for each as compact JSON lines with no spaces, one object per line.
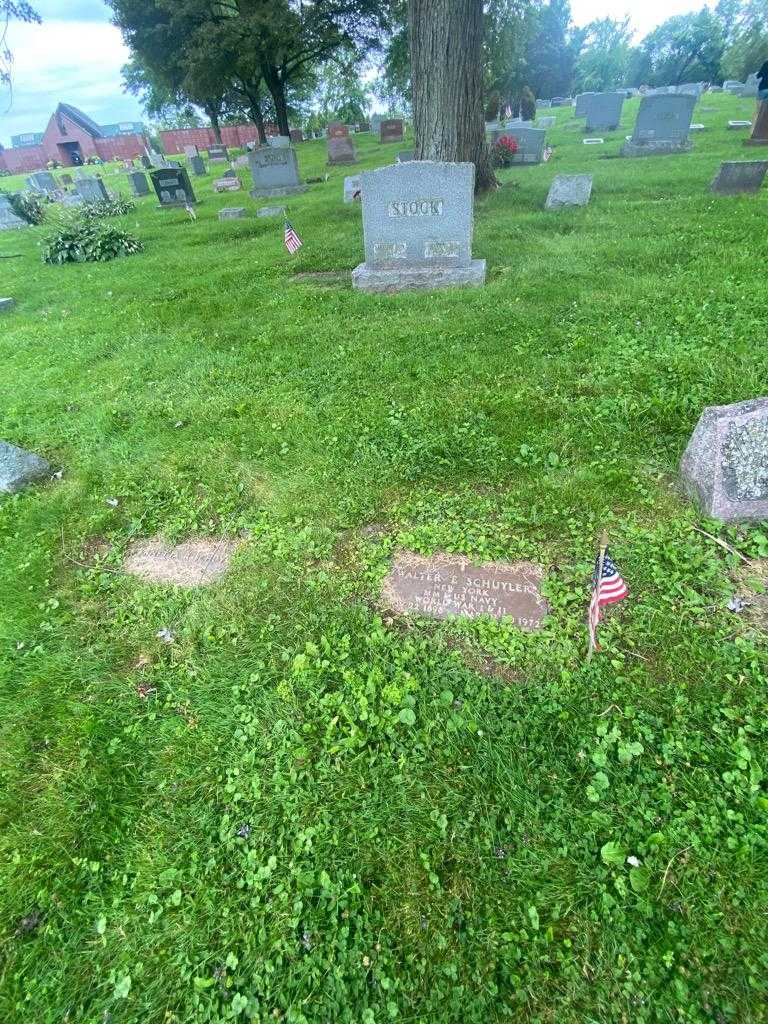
{"x":600,"y":563}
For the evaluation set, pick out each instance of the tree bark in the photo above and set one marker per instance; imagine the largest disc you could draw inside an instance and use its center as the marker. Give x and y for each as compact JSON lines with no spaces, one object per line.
{"x":254,"y":109}
{"x":213,"y":116}
{"x":276,"y":86}
{"x":447,"y":78}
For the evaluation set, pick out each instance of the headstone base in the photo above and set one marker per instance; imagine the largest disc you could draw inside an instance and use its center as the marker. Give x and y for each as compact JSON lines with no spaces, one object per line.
{"x":276,"y":193}
{"x":271,"y":211}
{"x":403,"y":279}
{"x":341,"y":163}
{"x":177,"y":205}
{"x":662,"y":147}
{"x":232,"y":213}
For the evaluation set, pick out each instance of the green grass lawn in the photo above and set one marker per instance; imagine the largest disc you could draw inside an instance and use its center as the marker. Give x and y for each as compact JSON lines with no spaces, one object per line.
{"x":240,"y":825}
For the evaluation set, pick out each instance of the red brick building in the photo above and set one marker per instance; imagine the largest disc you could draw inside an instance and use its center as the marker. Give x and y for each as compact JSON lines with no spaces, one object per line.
{"x":232,"y":136}
{"x":71,"y":137}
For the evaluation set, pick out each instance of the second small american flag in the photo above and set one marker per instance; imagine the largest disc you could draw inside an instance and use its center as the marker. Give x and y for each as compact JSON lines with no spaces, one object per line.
{"x":292,"y":241}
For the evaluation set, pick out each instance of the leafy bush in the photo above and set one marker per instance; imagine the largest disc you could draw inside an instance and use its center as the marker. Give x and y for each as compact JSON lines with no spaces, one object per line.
{"x":28,"y":205}
{"x":503,"y":151}
{"x":86,"y":240}
{"x":115,"y":206}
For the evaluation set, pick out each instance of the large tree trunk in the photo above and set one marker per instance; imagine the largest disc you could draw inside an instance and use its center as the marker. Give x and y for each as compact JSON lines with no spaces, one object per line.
{"x":213,"y":115}
{"x":254,"y":109}
{"x":276,"y":88}
{"x":447,"y":78}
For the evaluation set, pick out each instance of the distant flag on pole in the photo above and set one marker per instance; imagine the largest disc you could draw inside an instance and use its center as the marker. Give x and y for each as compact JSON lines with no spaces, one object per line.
{"x":508,"y":111}
{"x":292,"y":241}
{"x":608,"y":587}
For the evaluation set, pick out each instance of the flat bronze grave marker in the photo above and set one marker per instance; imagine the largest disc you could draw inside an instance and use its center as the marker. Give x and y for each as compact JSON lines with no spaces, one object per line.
{"x":444,"y":585}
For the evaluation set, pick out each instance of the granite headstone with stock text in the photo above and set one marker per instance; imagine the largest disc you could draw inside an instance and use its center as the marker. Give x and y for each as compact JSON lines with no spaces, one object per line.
{"x":198,"y":165}
{"x":725,"y":465}
{"x":275,"y":172}
{"x":662,"y":126}
{"x":740,"y":177}
{"x":218,"y":154}
{"x":603,"y":111}
{"x":172,"y":186}
{"x":417,"y":227}
{"x":446,"y":585}
{"x":92,"y":190}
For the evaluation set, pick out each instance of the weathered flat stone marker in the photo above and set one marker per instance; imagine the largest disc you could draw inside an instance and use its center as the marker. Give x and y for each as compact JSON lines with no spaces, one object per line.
{"x":19,"y":467}
{"x":569,"y":190}
{"x":194,"y":563}
{"x":739,"y":177}
{"x":444,"y":585}
{"x":9,"y":221}
{"x":593,"y":142}
{"x":735,"y":125}
{"x":227,"y":185}
{"x":232,"y":213}
{"x":417,"y":228}
{"x":271,"y":211}
{"x":6,"y":305}
{"x":725,"y":464}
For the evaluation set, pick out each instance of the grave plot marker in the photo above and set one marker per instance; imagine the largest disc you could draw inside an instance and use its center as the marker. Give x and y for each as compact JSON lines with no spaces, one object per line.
{"x":739,"y":177}
{"x":172,"y":187}
{"x":275,"y":172}
{"x":662,"y":126}
{"x":569,"y":190}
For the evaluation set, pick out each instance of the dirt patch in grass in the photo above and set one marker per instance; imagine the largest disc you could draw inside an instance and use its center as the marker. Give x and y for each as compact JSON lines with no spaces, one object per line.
{"x":752,"y":591}
{"x":195,"y":563}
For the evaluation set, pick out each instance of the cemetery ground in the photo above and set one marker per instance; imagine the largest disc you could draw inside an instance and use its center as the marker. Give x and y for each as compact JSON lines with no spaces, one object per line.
{"x":295,"y":805}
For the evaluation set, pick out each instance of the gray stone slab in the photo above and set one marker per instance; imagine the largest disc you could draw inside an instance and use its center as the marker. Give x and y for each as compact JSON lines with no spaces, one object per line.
{"x":445,"y":585}
{"x":569,"y":190}
{"x":198,"y":165}
{"x":739,"y":177}
{"x":725,"y":465}
{"x":172,"y":186}
{"x":42,"y":181}
{"x":92,"y":190}
{"x":6,"y":305}
{"x":232,"y":213}
{"x":138,"y":182}
{"x":662,"y":125}
{"x":751,"y":86}
{"x":19,"y":468}
{"x":417,"y":227}
{"x":341,"y":150}
{"x":275,"y":172}
{"x":353,"y":189}
{"x":218,"y":154}
{"x":9,"y":220}
{"x":580,"y":109}
{"x":190,"y":152}
{"x":271,"y":211}
{"x":603,"y":111}
{"x":545,"y":122}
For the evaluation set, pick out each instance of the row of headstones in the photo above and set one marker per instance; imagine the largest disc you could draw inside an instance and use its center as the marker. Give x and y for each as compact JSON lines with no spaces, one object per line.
{"x":341,"y":145}
{"x":725,"y":464}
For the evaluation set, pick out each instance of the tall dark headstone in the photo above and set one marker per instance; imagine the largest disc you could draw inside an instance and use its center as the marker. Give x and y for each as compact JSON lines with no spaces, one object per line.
{"x":173,"y":187}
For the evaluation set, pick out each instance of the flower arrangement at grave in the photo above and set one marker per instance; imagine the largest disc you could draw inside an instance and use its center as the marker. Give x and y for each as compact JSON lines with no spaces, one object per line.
{"x":504,"y":151}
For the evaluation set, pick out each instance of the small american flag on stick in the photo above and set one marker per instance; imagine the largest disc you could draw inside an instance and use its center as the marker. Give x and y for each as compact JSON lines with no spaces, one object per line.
{"x":608,"y":587}
{"x":292,"y":241}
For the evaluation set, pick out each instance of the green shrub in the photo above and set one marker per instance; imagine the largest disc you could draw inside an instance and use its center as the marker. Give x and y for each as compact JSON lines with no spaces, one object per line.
{"x":527,"y":104}
{"x":115,"y":206}
{"x":84,"y":240}
{"x":28,"y":205}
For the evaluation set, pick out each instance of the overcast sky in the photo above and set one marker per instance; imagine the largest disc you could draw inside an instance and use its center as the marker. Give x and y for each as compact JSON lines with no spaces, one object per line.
{"x":75,"y":57}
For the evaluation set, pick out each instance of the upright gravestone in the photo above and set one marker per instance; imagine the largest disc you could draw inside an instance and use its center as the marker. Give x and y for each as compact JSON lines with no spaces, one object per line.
{"x":581,"y":104}
{"x":726,"y":462}
{"x":190,"y":152}
{"x":138,"y":182}
{"x":337,"y":130}
{"x":751,"y":86}
{"x":8,"y":219}
{"x":530,"y":143}
{"x":417,"y":227}
{"x":569,"y":190}
{"x":341,"y":150}
{"x":376,"y":120}
{"x":91,"y":190}
{"x":297,"y":135}
{"x":604,"y":111}
{"x":19,"y":468}
{"x":173,"y":187}
{"x":275,"y":172}
{"x":739,"y":177}
{"x":218,"y":154}
{"x":662,"y":126}
{"x":391,"y":130}
{"x":734,"y":87}
{"x":146,"y":163}
{"x":198,"y":165}
{"x":543,"y":104}
{"x":42,"y":181}
{"x":279,"y":141}
{"x":759,"y":136}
